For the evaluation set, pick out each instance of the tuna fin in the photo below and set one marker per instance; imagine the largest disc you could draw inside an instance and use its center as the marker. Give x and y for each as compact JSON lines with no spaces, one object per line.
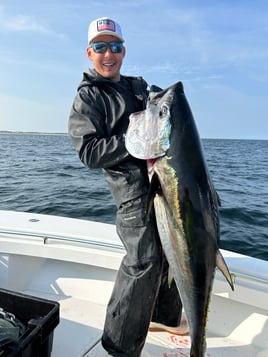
{"x":154,"y":188}
{"x":170,"y":277}
{"x":221,"y":264}
{"x":218,"y":199}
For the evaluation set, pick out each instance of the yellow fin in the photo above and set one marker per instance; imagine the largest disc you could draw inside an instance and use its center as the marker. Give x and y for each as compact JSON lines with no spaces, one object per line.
{"x":221,"y":264}
{"x":170,"y":277}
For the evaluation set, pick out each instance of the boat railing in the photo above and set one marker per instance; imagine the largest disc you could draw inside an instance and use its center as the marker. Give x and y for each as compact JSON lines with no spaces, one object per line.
{"x":107,"y":252}
{"x":49,"y":238}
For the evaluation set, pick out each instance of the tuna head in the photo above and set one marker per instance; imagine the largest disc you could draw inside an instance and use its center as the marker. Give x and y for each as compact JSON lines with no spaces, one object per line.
{"x":148,"y":134}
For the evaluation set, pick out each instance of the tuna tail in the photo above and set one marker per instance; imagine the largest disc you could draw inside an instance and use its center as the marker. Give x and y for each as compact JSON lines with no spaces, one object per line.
{"x":221,"y":264}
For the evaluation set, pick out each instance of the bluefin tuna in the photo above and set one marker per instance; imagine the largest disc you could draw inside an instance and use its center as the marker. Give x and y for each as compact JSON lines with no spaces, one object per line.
{"x":185,"y":201}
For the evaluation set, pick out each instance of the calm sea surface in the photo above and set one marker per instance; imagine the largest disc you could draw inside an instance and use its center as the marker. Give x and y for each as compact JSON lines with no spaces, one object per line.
{"x":43,"y":174}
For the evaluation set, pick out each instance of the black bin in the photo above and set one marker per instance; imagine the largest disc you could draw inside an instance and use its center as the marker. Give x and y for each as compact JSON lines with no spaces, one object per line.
{"x":40,"y":317}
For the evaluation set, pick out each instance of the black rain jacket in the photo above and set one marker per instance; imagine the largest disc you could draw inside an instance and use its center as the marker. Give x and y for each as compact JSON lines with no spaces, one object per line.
{"x":97,"y":125}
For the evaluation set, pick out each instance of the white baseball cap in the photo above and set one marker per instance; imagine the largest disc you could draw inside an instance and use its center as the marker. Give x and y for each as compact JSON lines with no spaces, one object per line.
{"x":104,"y":26}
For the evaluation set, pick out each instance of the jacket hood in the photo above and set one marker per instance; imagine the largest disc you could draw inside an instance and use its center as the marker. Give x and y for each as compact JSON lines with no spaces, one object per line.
{"x":90,"y":77}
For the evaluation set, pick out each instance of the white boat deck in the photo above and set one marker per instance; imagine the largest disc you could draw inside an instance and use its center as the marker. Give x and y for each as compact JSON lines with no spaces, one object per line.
{"x":74,"y":262}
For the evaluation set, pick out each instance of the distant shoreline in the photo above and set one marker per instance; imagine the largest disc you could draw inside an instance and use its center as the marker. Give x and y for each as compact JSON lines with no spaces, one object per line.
{"x":30,"y":133}
{"x":7,"y":132}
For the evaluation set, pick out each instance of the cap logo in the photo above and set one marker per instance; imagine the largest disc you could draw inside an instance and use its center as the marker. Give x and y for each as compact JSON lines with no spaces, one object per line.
{"x":105,"y":25}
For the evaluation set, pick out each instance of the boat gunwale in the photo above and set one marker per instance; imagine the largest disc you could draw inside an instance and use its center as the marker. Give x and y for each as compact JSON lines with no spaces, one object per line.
{"x":236,"y":273}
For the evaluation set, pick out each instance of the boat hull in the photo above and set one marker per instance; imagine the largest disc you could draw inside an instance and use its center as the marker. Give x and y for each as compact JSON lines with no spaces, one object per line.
{"x":74,"y":262}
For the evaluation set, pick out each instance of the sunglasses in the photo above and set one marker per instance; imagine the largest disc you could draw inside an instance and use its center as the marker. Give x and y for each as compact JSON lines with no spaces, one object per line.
{"x":101,"y":47}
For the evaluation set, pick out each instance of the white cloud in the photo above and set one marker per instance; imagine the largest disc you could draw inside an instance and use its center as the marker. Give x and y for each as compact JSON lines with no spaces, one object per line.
{"x":19,"y":23}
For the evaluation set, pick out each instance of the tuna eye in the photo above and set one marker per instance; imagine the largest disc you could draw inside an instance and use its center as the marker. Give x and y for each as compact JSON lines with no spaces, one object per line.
{"x":163,"y":111}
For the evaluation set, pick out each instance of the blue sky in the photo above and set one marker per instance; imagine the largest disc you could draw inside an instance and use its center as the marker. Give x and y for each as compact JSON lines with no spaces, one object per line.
{"x":218,"y":49}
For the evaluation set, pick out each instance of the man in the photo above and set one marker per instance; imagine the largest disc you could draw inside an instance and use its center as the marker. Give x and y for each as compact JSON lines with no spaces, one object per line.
{"x":97,"y":126}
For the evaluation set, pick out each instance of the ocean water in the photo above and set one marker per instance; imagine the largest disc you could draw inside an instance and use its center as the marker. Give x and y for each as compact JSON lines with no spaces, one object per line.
{"x":43,"y":174}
